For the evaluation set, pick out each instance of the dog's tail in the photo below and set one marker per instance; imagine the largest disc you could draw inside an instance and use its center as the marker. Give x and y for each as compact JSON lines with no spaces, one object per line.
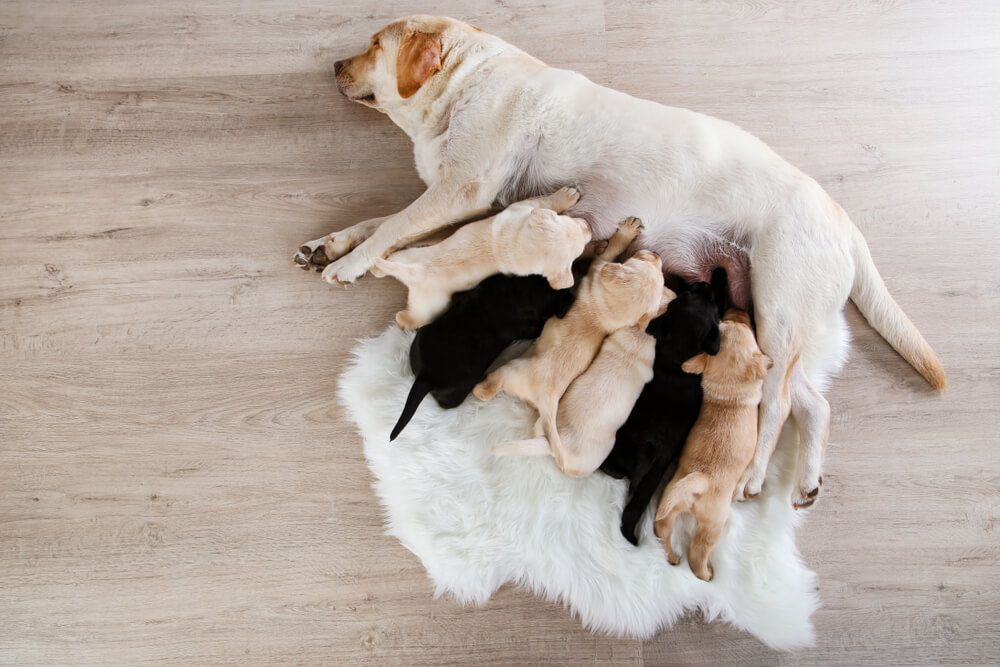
{"x":683,"y":494}
{"x":531,"y":447}
{"x":418,"y":392}
{"x":401,"y":271}
{"x":874,"y":301}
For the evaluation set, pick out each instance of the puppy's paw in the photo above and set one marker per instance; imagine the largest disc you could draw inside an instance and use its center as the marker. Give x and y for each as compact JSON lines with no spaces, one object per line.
{"x":806,"y":494}
{"x":632,"y":226}
{"x":705,"y":573}
{"x":750,"y":485}
{"x":486,"y":389}
{"x":406,"y":321}
{"x":672,"y":557}
{"x":564,"y":199}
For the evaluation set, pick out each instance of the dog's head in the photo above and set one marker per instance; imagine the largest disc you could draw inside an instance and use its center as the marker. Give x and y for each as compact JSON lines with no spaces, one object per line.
{"x":739,"y":361}
{"x":631,"y":292}
{"x":401,"y":59}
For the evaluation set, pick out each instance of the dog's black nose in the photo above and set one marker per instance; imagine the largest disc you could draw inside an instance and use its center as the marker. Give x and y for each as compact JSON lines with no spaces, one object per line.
{"x":337,"y":66}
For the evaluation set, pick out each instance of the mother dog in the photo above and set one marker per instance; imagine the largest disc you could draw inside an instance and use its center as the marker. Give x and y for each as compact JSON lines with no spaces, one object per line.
{"x":491,"y":124}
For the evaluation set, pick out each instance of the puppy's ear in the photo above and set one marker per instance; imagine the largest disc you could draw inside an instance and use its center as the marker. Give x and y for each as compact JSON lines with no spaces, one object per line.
{"x":419,"y":57}
{"x":561,"y":280}
{"x":712,"y":341}
{"x":696,"y":364}
{"x":761,"y":365}
{"x":668,"y":296}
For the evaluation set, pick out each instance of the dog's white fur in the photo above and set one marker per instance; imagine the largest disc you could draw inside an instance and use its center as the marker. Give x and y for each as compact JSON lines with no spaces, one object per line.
{"x":478,"y":523}
{"x":492,"y":124}
{"x":526,"y":238}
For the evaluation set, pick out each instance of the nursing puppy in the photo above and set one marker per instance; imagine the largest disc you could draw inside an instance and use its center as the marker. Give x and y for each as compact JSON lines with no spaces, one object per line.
{"x":611,"y":296}
{"x":720,"y":445}
{"x":452,"y":353}
{"x":651,"y":439}
{"x":490,"y":125}
{"x":585,"y":435}
{"x":527,"y":238}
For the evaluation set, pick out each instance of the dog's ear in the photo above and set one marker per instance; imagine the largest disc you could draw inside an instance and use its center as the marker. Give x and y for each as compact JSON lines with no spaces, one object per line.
{"x":712,"y":341}
{"x":696,"y":364}
{"x":419,"y":57}
{"x":761,"y":365}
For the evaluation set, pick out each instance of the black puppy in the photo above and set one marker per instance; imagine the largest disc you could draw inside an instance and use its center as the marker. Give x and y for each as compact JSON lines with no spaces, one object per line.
{"x":654,"y":434}
{"x":451,"y":355}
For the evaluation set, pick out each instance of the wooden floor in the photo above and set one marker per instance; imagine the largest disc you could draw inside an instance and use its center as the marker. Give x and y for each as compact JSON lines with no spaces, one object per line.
{"x":177,"y":482}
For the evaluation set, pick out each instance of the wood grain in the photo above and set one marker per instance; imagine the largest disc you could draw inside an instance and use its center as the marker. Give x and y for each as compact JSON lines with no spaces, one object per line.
{"x":178,"y":483}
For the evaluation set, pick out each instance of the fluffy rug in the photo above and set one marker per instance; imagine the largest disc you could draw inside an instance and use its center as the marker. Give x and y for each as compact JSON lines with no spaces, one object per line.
{"x":477,"y":522}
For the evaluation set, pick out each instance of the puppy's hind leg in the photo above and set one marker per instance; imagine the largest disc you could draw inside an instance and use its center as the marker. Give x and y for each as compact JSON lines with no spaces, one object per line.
{"x":703,"y":542}
{"x":812,"y":415}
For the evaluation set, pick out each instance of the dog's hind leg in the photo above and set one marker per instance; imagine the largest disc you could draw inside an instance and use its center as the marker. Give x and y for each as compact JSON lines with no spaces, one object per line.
{"x":812,"y":415}
{"x":775,"y":406}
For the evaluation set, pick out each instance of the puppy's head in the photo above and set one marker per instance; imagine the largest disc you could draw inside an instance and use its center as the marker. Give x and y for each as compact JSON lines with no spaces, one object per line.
{"x":401,"y":59}
{"x":541,"y":242}
{"x":631,"y":292}
{"x":690,"y":325}
{"x":739,"y":361}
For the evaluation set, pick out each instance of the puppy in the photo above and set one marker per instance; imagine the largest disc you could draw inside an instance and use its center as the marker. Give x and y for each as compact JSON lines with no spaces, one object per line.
{"x":452,"y":353}
{"x":720,"y":445}
{"x":585,"y":435}
{"x":611,"y":296}
{"x":651,"y":439}
{"x":527,"y":238}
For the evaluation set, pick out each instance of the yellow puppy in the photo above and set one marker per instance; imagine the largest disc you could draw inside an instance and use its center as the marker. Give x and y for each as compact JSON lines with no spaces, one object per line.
{"x":586,"y":432}
{"x":611,"y":296}
{"x":527,"y":238}
{"x":721,"y":444}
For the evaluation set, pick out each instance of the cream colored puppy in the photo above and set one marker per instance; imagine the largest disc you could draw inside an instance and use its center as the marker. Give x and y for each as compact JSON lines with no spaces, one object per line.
{"x":721,"y":444}
{"x":611,"y":296}
{"x":527,"y":238}
{"x":584,"y":436}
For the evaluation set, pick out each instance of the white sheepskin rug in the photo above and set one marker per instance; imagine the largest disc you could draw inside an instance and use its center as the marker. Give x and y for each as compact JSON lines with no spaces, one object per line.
{"x":477,"y":522}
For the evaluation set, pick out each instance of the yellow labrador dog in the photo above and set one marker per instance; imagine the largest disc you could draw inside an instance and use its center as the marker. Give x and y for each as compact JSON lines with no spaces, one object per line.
{"x":526,"y":238}
{"x":491,"y":125}
{"x":611,"y":296}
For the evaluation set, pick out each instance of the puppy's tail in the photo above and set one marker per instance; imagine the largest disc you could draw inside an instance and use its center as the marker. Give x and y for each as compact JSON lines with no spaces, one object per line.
{"x":401,"y":271}
{"x":683,"y":494}
{"x":418,"y":391}
{"x":531,"y":447}
{"x":874,"y":301}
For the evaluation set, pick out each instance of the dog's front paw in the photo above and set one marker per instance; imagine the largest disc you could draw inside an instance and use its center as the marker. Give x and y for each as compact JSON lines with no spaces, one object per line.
{"x":705,"y":573}
{"x":750,"y":485}
{"x":347,"y":269}
{"x":311,"y":255}
{"x":806,"y":493}
{"x":631,"y":226}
